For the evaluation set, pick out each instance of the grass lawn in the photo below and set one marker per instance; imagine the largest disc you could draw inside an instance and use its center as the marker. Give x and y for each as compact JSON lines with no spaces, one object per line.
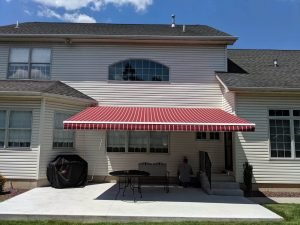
{"x":291,"y":213}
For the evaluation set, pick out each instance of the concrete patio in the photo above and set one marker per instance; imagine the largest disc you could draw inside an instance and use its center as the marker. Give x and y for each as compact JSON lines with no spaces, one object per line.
{"x":97,"y":203}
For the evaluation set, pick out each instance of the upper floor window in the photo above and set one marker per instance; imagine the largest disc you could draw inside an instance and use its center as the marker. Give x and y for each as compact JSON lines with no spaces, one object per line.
{"x":29,"y":63}
{"x":138,"y":70}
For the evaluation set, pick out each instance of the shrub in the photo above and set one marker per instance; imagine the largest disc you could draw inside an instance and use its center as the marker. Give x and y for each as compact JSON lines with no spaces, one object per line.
{"x":248,"y":174}
{"x":2,"y":182}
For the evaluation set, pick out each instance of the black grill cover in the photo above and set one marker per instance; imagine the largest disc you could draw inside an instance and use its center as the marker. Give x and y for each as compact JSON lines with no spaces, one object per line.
{"x":67,"y":171}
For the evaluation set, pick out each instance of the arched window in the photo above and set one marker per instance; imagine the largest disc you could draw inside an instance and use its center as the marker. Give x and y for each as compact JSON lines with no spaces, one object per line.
{"x":138,"y":70}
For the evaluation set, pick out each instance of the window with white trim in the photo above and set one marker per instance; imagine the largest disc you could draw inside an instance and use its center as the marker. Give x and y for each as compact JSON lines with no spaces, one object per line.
{"x":29,"y":63}
{"x":2,"y":128}
{"x":138,"y":70}
{"x":137,"y":141}
{"x":284,"y":131}
{"x":201,"y":135}
{"x":15,"y":129}
{"x":159,"y":142}
{"x":296,"y":114}
{"x":297,"y":137}
{"x":62,"y":138}
{"x":116,"y":141}
{"x":214,"y":136}
{"x":208,"y":135}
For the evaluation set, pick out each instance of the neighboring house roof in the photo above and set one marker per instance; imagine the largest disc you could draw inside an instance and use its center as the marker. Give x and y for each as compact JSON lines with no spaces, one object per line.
{"x":47,"y":87}
{"x":255,"y":70}
{"x":73,"y":30}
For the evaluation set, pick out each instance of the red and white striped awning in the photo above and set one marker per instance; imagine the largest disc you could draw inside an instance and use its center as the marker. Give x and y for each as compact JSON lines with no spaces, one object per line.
{"x":157,"y":119}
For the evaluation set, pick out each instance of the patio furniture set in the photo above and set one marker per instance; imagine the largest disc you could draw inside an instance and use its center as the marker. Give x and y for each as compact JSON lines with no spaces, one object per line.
{"x":147,"y":173}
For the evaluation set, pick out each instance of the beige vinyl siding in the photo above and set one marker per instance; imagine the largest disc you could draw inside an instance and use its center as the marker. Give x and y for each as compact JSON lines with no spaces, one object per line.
{"x":192,"y":81}
{"x":91,"y":146}
{"x":228,"y":101}
{"x":85,"y":67}
{"x":196,"y":95}
{"x":4,"y":53}
{"x":254,"y":146}
{"x":187,"y":64}
{"x":22,"y":163}
{"x":47,"y":152}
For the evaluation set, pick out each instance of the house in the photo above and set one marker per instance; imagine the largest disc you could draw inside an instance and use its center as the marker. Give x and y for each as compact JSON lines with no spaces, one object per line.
{"x":129,"y":93}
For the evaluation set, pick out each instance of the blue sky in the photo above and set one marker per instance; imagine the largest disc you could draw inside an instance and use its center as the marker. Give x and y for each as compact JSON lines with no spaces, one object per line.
{"x":268,"y":24}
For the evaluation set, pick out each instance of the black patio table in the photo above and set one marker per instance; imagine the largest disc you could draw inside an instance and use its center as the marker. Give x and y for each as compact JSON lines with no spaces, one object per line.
{"x":129,"y":178}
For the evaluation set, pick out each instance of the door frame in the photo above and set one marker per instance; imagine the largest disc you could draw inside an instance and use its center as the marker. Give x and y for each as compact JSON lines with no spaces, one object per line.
{"x":228,"y":150}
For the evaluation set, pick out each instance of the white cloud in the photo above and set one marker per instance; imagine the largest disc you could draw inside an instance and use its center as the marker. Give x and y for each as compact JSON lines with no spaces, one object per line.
{"x":70,"y":9}
{"x":68,"y":17}
{"x":48,"y":13}
{"x":78,"y":18}
{"x":67,"y":4}
{"x":27,"y":12}
{"x":139,"y":5}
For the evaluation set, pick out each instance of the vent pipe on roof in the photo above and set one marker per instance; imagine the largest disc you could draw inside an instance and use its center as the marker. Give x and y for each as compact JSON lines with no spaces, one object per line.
{"x":275,"y":62}
{"x":17,"y":25}
{"x":183,"y":28}
{"x":173,"y":20}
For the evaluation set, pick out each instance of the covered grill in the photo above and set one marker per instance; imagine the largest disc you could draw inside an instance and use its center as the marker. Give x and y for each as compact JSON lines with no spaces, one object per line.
{"x":67,"y":171}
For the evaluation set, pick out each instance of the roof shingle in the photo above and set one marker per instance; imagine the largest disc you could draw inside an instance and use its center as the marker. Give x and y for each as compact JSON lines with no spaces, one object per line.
{"x":255,"y":69}
{"x":50,"y":87}
{"x":51,"y":28}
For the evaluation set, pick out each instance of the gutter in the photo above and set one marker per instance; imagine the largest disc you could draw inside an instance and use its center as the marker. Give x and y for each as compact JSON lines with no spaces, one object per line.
{"x":222,"y":83}
{"x":256,"y":89}
{"x":263,"y":89}
{"x":226,"y":39}
{"x":122,"y":36}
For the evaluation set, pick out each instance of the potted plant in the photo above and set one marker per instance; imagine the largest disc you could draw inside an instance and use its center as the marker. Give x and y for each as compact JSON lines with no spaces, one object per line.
{"x":248,"y":174}
{"x":2,"y":182}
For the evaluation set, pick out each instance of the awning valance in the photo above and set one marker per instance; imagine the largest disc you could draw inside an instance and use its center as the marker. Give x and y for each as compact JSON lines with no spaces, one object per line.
{"x":157,"y":119}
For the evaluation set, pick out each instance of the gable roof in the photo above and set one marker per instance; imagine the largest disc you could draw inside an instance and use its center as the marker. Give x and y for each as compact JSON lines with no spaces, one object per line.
{"x":48,"y":87}
{"x":110,"y":29}
{"x":254,"y":69}
{"x":101,"y":30}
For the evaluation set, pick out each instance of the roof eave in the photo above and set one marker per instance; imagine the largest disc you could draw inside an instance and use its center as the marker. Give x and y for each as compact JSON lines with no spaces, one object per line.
{"x":41,"y":94}
{"x":114,"y":38}
{"x":263,"y":89}
{"x":254,"y":89}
